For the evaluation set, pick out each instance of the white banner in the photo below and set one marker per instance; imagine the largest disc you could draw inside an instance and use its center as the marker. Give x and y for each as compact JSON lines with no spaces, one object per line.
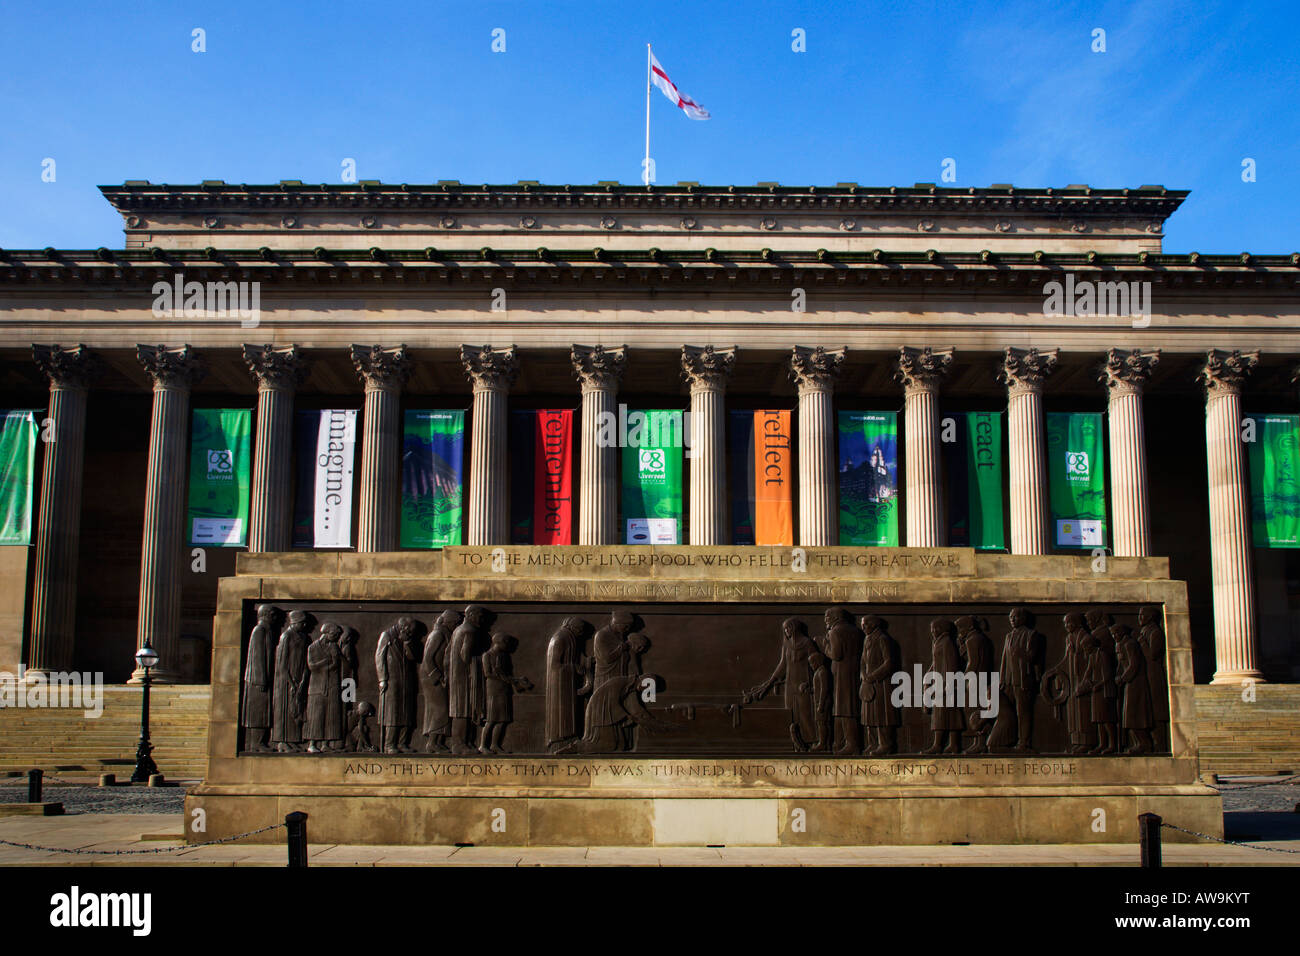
{"x":332,"y":467}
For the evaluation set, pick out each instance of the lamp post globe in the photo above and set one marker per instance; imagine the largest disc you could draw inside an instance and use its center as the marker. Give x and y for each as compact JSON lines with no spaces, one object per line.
{"x":146,"y":658}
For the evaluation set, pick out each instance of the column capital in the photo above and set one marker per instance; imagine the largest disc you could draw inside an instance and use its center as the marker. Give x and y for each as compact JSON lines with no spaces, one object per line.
{"x":1025,"y":370}
{"x":488,"y":368}
{"x":176,"y":367}
{"x":598,"y":367}
{"x":276,"y":366}
{"x":921,"y":370}
{"x":76,"y":367}
{"x":381,"y":368}
{"x":814,"y":369}
{"x":706,"y":368}
{"x":1127,"y":371}
{"x":1224,"y":372}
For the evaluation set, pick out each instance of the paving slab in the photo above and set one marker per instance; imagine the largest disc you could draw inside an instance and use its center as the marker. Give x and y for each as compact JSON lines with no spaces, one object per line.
{"x":126,"y":831}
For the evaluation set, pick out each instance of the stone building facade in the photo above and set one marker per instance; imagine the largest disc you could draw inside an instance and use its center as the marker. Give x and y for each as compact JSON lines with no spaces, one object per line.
{"x":385,"y":298}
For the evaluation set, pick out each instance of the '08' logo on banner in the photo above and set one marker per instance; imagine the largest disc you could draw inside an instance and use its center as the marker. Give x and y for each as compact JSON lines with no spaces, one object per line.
{"x":652,"y":460}
{"x":1076,"y":465}
{"x":220,"y":463}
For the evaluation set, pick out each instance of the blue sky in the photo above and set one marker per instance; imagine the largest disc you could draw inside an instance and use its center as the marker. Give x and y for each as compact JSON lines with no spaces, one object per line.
{"x":883,"y":94}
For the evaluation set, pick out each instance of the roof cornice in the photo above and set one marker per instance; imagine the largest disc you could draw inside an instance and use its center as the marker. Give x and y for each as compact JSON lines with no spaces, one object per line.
{"x":140,"y":196}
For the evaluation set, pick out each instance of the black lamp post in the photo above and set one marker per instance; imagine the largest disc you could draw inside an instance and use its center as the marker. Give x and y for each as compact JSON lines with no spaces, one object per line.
{"x":146,"y":658}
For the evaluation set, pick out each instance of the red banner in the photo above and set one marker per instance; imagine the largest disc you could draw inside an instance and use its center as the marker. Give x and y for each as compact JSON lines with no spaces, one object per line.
{"x":553,"y":477}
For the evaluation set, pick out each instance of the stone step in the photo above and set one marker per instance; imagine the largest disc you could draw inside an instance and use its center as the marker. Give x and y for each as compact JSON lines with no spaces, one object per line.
{"x":65,"y":737}
{"x":1262,"y":735}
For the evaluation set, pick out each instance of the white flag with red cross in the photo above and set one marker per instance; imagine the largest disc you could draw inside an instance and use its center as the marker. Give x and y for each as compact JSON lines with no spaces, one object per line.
{"x":660,"y":79}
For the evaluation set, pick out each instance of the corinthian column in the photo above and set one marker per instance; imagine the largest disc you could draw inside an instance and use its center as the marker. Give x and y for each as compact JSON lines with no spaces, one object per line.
{"x":1025,"y":371}
{"x":492,"y":372}
{"x":1125,"y":374}
{"x":174,"y":372}
{"x":599,"y":370}
{"x":706,"y":370}
{"x":1235,"y":653}
{"x":814,"y":371}
{"x":385,"y":371}
{"x":921,"y":371}
{"x":58,"y":525}
{"x":279,"y":370}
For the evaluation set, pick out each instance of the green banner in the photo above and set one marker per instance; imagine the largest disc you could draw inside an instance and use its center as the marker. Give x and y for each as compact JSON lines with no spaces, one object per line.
{"x":1275,"y":481}
{"x":868,"y":478}
{"x":975,"y":463}
{"x":652,"y":477}
{"x":1076,"y":479}
{"x":433,"y":454}
{"x":17,"y":476}
{"x":221,"y":460}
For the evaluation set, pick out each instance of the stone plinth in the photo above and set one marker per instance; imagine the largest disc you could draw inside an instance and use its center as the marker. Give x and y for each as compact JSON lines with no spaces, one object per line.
{"x":723,"y":768}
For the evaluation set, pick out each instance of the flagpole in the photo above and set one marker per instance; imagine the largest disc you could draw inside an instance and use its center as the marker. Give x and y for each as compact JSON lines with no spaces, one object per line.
{"x":645,"y":167}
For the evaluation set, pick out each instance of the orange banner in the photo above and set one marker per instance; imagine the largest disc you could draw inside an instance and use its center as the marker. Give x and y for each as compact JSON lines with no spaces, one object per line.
{"x":773,"y":478}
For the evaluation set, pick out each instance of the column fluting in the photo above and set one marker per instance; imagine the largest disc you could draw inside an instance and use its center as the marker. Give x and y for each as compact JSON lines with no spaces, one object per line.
{"x":278,"y":371}
{"x":58,"y":523}
{"x":814,"y":371}
{"x":921,"y":371}
{"x":706,"y":370}
{"x":1126,"y":374}
{"x":599,"y":370}
{"x":1025,"y":371}
{"x":492,"y":371}
{"x":163,"y":559}
{"x":1233,"y":582}
{"x":385,"y":371}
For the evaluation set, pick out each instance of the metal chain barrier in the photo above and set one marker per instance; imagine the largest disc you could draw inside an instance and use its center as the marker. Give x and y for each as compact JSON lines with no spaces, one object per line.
{"x":162,"y":849}
{"x":1214,"y":839}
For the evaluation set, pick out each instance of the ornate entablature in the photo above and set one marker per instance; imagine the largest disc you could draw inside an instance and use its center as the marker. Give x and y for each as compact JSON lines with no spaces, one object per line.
{"x":846,"y":217}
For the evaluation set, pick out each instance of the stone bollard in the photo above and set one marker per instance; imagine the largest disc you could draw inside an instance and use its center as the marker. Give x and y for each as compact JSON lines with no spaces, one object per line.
{"x":107,"y":779}
{"x":35,"y":780}
{"x":296,"y":824}
{"x":1149,"y":840}
{"x":157,"y":780}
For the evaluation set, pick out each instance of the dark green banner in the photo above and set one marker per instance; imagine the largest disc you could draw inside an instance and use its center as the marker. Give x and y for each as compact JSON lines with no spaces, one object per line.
{"x":868,"y":478}
{"x":1274,"y":480}
{"x":1076,"y":479}
{"x":652,"y":477}
{"x":433,"y":452}
{"x":221,"y":461}
{"x":17,"y":476}
{"x":975,"y":464}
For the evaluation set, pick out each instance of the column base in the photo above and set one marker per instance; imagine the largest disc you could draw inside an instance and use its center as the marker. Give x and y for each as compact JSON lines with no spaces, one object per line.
{"x":157,"y":675}
{"x":32,"y":675}
{"x":1238,"y":677}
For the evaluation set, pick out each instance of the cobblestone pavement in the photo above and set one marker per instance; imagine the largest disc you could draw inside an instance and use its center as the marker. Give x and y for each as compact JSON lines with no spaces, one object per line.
{"x":1254,"y":810}
{"x":1251,"y":793}
{"x":123,"y":798}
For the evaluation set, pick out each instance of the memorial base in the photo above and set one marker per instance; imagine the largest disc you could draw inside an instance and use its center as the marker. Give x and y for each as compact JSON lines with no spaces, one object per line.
{"x":652,"y":802}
